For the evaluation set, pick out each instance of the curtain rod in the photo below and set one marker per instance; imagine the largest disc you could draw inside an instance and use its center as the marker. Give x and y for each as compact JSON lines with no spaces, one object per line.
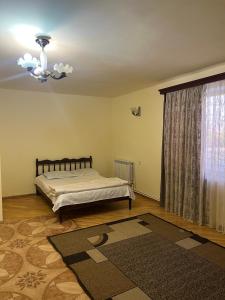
{"x":193,"y":83}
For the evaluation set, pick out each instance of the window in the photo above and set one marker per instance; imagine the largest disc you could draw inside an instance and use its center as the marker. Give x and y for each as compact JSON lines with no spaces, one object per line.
{"x":213,"y":131}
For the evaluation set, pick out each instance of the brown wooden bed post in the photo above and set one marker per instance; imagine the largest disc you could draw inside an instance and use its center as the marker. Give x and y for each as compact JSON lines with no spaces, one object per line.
{"x":60,"y":215}
{"x":37,"y":173}
{"x":37,"y":192}
{"x":90,"y":161}
{"x":130,"y":203}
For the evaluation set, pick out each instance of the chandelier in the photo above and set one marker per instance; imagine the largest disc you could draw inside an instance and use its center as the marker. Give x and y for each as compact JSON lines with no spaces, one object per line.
{"x":38,"y":68}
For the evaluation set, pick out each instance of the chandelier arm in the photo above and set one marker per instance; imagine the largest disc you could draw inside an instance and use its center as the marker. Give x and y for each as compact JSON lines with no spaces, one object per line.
{"x":42,"y":78}
{"x":30,"y":69}
{"x":53,"y":75}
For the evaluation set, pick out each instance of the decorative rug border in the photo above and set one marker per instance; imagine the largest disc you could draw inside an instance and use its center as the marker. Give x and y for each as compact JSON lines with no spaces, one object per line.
{"x":131,"y":218}
{"x":77,"y":276}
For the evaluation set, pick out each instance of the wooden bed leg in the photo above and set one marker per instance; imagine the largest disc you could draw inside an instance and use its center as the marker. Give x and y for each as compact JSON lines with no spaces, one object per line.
{"x":60,"y":216}
{"x":130,"y":203}
{"x":37,"y":192}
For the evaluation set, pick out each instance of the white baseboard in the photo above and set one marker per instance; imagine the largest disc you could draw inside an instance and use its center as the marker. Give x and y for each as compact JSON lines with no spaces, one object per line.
{"x":146,"y":195}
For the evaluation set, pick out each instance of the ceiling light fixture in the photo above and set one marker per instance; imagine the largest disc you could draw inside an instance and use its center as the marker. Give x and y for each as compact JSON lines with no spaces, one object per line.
{"x":38,"y":68}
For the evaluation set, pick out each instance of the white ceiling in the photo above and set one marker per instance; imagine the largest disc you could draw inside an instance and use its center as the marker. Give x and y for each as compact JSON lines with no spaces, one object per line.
{"x":115,"y":46}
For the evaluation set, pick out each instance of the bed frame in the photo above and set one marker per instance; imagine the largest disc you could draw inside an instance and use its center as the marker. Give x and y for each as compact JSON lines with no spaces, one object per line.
{"x":69,"y":164}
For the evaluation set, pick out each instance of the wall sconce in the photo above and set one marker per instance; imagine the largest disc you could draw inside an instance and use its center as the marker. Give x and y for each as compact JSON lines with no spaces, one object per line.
{"x":136,"y":111}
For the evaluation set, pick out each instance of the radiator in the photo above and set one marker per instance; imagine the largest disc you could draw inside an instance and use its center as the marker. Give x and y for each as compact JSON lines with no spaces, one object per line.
{"x":124,"y":169}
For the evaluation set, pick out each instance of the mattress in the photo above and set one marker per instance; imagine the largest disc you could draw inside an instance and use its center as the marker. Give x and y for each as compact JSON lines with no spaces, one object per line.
{"x":85,"y":196}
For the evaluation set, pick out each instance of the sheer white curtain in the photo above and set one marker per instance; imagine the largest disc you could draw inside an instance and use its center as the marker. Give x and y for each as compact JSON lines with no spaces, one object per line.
{"x":213,"y":154}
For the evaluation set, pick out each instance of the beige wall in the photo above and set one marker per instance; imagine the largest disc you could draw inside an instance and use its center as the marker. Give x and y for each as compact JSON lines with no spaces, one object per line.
{"x":40,"y":125}
{"x":54,"y":126}
{"x":139,"y":139}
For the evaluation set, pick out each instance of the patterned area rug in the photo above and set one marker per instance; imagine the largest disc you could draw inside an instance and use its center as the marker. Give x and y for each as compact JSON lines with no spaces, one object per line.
{"x":30,"y":268}
{"x":143,"y":258}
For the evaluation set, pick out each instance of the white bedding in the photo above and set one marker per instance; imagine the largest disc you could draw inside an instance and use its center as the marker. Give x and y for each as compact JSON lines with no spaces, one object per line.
{"x":83,"y":189}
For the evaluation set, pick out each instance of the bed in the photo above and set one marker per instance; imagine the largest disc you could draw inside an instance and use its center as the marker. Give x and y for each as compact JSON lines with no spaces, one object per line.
{"x":72,"y":183}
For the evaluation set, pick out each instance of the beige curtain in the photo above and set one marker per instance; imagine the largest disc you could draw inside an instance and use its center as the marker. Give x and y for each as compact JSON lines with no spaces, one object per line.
{"x":181,"y":153}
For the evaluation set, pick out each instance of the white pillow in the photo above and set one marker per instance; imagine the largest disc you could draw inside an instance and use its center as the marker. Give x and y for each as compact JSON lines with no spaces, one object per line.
{"x":85,"y":172}
{"x":59,"y":174}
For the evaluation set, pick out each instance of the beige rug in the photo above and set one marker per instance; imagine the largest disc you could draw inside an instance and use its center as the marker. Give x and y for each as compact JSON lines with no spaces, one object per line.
{"x":29,"y":266}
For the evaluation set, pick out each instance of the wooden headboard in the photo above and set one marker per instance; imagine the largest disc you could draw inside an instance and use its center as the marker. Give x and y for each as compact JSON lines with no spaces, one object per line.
{"x":65,"y":164}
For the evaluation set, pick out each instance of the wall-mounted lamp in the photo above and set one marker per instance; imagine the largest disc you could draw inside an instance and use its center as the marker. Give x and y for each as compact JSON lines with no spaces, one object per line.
{"x":136,"y":111}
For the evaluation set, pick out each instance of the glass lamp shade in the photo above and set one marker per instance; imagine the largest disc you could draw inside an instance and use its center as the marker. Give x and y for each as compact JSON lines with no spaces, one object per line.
{"x":60,"y":68}
{"x":28,"y":61}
